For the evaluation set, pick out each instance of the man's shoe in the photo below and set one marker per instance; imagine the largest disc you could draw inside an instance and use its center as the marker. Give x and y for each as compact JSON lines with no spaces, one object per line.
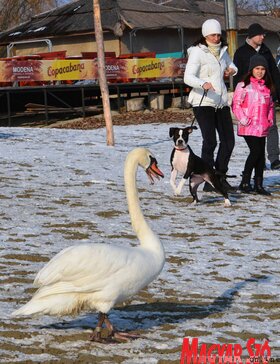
{"x":275,"y":164}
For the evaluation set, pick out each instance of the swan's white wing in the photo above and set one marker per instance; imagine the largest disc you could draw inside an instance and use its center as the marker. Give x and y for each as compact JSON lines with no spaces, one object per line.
{"x":72,"y":282}
{"x":88,"y":264}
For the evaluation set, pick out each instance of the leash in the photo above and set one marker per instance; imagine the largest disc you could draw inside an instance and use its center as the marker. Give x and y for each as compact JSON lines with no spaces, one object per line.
{"x":225,"y":175}
{"x":204,"y":94}
{"x":168,"y":140}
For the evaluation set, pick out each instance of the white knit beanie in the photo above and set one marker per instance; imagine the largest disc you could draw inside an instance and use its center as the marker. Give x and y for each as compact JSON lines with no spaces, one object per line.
{"x":211,"y":26}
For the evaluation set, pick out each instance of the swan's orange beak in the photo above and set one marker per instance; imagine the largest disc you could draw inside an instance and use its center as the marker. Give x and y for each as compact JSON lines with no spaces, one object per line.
{"x":153,"y":171}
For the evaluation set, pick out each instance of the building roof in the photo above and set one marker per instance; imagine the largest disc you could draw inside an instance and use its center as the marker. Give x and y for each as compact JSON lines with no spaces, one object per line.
{"x":77,"y":18}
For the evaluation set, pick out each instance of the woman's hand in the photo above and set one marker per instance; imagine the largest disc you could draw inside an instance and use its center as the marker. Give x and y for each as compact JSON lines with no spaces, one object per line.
{"x":229,"y":72}
{"x":245,"y":121}
{"x":208,"y":86}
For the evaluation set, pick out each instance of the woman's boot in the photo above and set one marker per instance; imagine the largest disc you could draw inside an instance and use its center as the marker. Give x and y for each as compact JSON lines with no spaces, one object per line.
{"x":245,"y":185}
{"x":259,"y":187}
{"x":223,"y":179}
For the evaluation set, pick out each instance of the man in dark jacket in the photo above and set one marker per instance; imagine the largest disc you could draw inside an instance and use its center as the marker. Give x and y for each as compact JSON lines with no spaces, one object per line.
{"x":254,"y":44}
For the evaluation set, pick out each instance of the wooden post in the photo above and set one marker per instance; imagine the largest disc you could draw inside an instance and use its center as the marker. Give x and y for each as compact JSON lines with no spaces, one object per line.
{"x":102,"y":74}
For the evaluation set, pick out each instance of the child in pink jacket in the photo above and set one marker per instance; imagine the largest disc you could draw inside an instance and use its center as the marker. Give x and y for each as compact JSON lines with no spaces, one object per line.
{"x":253,"y":108}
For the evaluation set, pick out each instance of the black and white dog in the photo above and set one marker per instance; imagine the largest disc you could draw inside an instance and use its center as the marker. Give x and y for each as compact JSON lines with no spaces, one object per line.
{"x":184,"y":161}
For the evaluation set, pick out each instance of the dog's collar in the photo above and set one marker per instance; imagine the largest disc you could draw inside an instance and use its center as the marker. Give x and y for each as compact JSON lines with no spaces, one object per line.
{"x":181,"y":149}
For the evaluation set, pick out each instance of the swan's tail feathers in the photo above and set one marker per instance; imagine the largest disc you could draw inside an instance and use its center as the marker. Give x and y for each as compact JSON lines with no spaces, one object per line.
{"x":32,"y":307}
{"x":57,"y":305}
{"x":59,"y":299}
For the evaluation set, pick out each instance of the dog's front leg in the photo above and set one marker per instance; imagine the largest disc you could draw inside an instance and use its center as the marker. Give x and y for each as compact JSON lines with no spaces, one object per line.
{"x":173,"y":180}
{"x":180,"y":186}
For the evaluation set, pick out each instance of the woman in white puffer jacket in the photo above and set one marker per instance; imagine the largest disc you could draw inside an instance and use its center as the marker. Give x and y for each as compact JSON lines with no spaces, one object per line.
{"x":208,"y":64}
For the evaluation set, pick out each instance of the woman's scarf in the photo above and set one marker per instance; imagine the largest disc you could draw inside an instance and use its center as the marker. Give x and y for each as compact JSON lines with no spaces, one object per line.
{"x":214,"y":49}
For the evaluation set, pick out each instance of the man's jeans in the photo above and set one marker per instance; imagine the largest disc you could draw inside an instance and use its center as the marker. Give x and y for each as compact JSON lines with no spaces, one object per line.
{"x":272,"y":145}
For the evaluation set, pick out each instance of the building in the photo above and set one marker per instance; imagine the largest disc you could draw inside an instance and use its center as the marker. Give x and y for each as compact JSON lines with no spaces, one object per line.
{"x":129,"y":26}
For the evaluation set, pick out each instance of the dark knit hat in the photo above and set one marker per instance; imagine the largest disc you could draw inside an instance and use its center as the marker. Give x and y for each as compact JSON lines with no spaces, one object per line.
{"x":257,"y":60}
{"x":255,"y":29}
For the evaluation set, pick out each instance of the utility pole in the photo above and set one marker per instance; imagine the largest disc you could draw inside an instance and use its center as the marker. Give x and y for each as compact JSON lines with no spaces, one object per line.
{"x":231,"y":25}
{"x":102,"y":74}
{"x":231,"y":28}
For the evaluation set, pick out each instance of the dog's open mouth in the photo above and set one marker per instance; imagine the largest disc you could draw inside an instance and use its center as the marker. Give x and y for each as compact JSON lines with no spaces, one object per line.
{"x":153,"y":171}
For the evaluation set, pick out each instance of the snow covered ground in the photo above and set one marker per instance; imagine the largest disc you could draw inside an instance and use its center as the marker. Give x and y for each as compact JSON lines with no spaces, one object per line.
{"x":221,"y":279}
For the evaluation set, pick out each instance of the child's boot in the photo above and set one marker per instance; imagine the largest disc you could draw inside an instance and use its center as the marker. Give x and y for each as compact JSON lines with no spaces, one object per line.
{"x":259,"y":189}
{"x":245,"y":185}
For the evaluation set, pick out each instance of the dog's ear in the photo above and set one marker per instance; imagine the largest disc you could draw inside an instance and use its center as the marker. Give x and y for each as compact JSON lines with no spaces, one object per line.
{"x":191,"y":128}
{"x":171,"y":132}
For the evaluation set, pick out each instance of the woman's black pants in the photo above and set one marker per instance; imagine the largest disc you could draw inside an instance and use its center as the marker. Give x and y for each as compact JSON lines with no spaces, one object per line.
{"x":210,"y":121}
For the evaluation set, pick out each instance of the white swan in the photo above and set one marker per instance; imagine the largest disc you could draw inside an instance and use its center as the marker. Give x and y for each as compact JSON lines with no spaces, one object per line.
{"x":97,"y":276}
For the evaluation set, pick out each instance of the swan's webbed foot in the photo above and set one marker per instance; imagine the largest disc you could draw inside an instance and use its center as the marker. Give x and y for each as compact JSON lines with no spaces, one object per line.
{"x":96,"y":335}
{"x":112,"y":336}
{"x":125,"y":336}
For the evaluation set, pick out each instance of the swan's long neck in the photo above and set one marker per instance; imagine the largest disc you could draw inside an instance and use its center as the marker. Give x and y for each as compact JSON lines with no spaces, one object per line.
{"x":146,"y":236}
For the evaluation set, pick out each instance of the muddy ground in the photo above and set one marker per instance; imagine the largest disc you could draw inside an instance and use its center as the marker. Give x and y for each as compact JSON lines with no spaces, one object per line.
{"x":64,"y":187}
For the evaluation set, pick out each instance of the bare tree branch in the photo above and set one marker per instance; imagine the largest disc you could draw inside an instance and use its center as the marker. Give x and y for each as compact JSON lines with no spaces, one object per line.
{"x":270,"y":7}
{"x":14,"y":12}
